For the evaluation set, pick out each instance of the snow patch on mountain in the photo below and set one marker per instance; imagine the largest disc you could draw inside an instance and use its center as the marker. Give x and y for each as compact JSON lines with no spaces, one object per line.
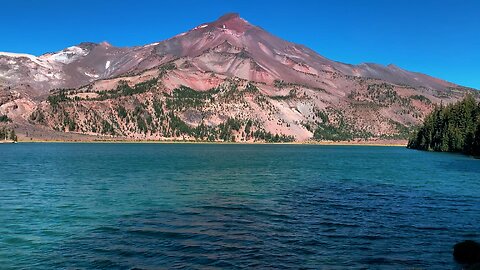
{"x":66,"y":56}
{"x":17,"y":55}
{"x":107,"y":64}
{"x":33,"y":58}
{"x":181,"y":34}
{"x":200,"y":26}
{"x":92,"y":75}
{"x":153,"y":44}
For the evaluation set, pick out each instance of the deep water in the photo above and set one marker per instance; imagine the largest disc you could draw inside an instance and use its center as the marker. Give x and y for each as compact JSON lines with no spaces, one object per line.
{"x":190,"y":206}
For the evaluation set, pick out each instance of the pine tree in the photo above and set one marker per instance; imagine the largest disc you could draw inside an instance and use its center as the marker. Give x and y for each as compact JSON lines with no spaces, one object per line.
{"x":454,"y":128}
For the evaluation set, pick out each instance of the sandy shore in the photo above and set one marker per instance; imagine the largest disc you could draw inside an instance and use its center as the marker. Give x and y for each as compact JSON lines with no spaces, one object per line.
{"x":31,"y":134}
{"x":397,"y":143}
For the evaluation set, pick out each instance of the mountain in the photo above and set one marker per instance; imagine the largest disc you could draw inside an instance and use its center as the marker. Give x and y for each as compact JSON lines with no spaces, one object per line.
{"x":222,"y":80}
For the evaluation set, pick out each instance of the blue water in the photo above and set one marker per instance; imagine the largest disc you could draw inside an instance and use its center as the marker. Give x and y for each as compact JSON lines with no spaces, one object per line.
{"x":151,"y":206}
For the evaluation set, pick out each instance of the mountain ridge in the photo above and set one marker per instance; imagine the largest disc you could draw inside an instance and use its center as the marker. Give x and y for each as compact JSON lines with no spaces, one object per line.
{"x":228,"y":52}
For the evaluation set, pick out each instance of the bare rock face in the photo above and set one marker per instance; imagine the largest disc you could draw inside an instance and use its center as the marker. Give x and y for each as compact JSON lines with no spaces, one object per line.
{"x":222,"y":80}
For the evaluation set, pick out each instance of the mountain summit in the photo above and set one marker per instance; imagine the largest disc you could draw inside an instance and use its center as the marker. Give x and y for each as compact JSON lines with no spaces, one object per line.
{"x":249,"y":75}
{"x":233,"y":22}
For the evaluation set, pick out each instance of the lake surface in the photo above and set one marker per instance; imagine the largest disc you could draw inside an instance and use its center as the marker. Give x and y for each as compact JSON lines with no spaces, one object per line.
{"x":151,"y":206}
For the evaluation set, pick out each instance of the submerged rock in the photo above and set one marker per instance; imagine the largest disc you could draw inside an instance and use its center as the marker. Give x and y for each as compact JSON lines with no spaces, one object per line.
{"x":468,"y":254}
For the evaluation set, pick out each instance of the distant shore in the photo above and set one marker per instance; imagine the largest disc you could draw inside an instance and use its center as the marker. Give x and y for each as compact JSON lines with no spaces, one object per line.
{"x":395,"y":143}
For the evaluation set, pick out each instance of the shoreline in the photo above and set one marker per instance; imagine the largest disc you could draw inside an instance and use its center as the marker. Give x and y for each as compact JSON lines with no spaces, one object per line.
{"x":321,"y":143}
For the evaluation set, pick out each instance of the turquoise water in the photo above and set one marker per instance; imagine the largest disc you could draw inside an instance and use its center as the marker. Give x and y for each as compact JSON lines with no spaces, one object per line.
{"x":151,"y":206}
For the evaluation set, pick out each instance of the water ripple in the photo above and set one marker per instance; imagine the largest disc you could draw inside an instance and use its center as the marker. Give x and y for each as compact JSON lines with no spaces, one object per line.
{"x":96,"y":206}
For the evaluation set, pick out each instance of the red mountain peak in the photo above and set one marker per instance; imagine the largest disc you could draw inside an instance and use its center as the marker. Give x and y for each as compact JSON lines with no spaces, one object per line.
{"x":232,"y":21}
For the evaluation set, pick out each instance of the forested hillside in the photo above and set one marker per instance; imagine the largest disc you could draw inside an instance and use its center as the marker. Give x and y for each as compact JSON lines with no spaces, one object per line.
{"x":452,"y":128}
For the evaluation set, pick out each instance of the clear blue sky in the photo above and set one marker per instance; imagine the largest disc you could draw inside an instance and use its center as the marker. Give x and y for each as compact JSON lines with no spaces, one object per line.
{"x":437,"y":37}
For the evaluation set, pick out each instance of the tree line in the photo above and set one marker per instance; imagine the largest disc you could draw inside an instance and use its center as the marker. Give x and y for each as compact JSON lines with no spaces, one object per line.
{"x":451,"y":128}
{"x":7,"y":134}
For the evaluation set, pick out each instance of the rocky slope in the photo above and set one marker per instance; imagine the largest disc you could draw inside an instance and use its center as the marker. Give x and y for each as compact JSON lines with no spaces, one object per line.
{"x":224,"y":80}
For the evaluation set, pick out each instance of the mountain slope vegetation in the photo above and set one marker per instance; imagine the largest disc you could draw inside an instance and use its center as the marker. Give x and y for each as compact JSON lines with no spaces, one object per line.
{"x":193,"y":85}
{"x":451,"y":128}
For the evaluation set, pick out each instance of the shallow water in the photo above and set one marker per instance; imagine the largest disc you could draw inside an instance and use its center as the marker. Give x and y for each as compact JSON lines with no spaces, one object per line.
{"x":150,"y":206}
